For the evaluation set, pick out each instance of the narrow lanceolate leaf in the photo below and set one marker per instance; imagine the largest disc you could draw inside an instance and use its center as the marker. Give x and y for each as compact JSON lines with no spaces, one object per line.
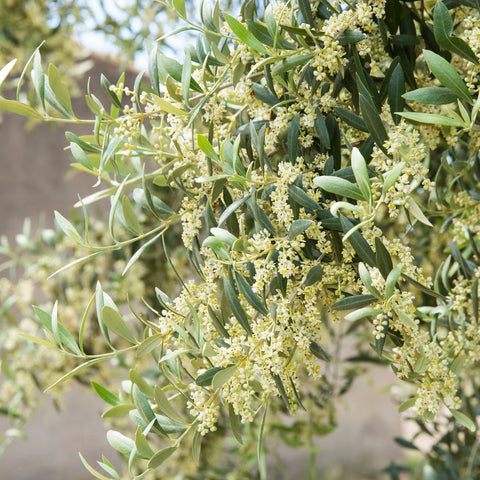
{"x":205,"y":379}
{"x":415,"y":210}
{"x":359,"y":167}
{"x":291,"y":62}
{"x":6,"y":70}
{"x":130,"y":217}
{"x":314,"y":275}
{"x":250,"y":296}
{"x":339,"y":186}
{"x":464,"y":420}
{"x":230,"y":209}
{"x":243,"y":34}
{"x":68,"y":229}
{"x":19,"y":108}
{"x":354,"y":302}
{"x":142,"y":445}
{"x":223,"y":376}
{"x":392,"y":280}
{"x":235,"y":424}
{"x":165,"y":406}
{"x":114,"y":321}
{"x":351,"y":119}
{"x":319,"y":352}
{"x":105,"y":395}
{"x":61,"y":97}
{"x":167,"y":107}
{"x":384,"y":260}
{"x":120,"y":442}
{"x":431,"y":96}
{"x":432,"y":119}
{"x":396,"y":89}
{"x":373,"y":121}
{"x":362,"y":313}
{"x":447,"y":75}
{"x":297,"y":227}
{"x":161,"y":456}
{"x":235,"y":305}
{"x":302,"y":198}
{"x":391,"y":177}
{"x":206,"y":147}
{"x":443,"y":29}
{"x":359,"y":244}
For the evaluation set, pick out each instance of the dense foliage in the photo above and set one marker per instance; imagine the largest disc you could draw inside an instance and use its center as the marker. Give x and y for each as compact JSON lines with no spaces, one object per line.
{"x":319,"y":163}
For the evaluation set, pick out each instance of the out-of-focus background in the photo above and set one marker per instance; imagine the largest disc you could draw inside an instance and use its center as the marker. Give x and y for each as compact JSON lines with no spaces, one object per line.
{"x":35,"y":179}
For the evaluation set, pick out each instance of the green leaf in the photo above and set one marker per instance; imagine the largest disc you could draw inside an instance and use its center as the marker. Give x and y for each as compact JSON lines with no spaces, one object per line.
{"x":362,"y":313}
{"x":120,"y":442}
{"x":314,"y":275}
{"x":415,"y":210}
{"x":359,"y":244}
{"x":68,"y":229}
{"x":260,"y":450}
{"x":396,"y":88}
{"x":186,"y":76}
{"x":432,"y":118}
{"x":206,"y":147}
{"x":61,"y":98}
{"x":384,"y":260}
{"x":359,"y":167}
{"x":80,"y":156}
{"x":431,"y":96}
{"x":306,"y":9}
{"x":354,"y":302}
{"x":118,"y":410}
{"x":6,"y":70}
{"x":235,"y":424}
{"x":349,"y":37}
{"x":297,"y":227}
{"x":447,"y":75}
{"x":391,"y":177}
{"x":223,"y":376}
{"x":179,"y":6}
{"x":292,"y":139}
{"x":339,"y":186}
{"x":105,"y":84}
{"x":302,"y":198}
{"x":91,"y":470}
{"x":250,"y":296}
{"x":409,"y":403}
{"x":106,"y":395}
{"x":224,"y":235}
{"x":373,"y":121}
{"x":142,"y":445}
{"x":130,"y":217}
{"x":319,"y":352}
{"x":19,"y":108}
{"x":149,"y":344}
{"x":161,"y":456}
{"x":235,"y":305}
{"x":291,"y":62}
{"x":165,"y":406}
{"x":443,"y":29}
{"x":243,"y":34}
{"x":196,"y":446}
{"x":351,"y":119}
{"x":114,"y":321}
{"x":464,"y":420}
{"x":167,"y":107}
{"x":205,"y":379}
{"x":392,"y":280}
{"x":321,"y":129}
{"x":137,"y":379}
